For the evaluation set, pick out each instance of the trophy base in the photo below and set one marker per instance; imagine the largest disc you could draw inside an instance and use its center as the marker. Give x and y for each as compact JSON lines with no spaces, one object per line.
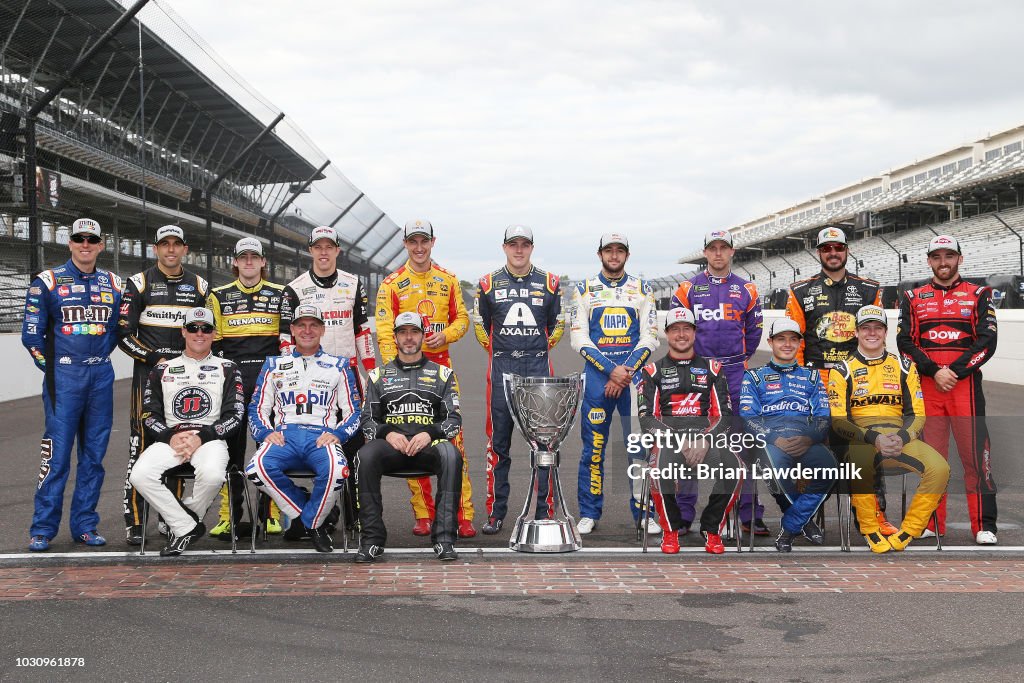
{"x":545,"y":536}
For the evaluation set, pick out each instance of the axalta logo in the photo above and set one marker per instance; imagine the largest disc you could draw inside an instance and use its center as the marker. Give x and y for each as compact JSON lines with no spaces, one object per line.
{"x":615,"y":321}
{"x":943,"y":334}
{"x":722,"y":312}
{"x":596,"y":416}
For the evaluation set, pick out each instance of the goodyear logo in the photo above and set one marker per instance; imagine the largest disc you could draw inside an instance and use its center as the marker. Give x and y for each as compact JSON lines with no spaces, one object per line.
{"x":596,"y":415}
{"x":615,"y":321}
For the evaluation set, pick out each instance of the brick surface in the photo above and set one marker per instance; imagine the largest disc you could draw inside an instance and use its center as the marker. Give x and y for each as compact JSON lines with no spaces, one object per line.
{"x":417,"y":577}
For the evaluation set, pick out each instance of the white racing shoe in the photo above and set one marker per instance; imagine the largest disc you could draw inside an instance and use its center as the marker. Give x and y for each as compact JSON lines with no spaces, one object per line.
{"x":985,"y":538}
{"x":586,"y":525}
{"x":652,"y":526}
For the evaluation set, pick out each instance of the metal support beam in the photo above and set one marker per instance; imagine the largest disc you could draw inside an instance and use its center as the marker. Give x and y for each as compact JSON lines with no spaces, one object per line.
{"x":899,"y":259}
{"x":388,"y":262}
{"x":288,"y":202}
{"x":174,"y":124}
{"x":42,"y":56}
{"x":14,"y":29}
{"x":796,"y":271}
{"x":83,"y":106}
{"x":383,"y":244}
{"x":1019,"y":239}
{"x":345,"y":211}
{"x":138,"y":110}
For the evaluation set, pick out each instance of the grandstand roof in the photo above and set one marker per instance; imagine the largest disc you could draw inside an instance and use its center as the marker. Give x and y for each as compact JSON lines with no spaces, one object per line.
{"x":170,"y":78}
{"x":939,"y":178}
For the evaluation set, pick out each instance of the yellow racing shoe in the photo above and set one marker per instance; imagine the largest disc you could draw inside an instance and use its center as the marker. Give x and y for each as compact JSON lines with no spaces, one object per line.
{"x":274,"y":526}
{"x":878,"y":543}
{"x":900,"y":540}
{"x":223,"y":528}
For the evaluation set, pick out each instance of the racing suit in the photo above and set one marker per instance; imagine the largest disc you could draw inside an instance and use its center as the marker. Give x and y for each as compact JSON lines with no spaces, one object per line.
{"x":152,"y":312}
{"x":612,"y":323}
{"x":870,"y":397}
{"x":519,"y":318}
{"x":186,"y":394}
{"x":246,"y":330}
{"x":307,"y":397}
{"x":342,"y":301}
{"x":689,"y":396}
{"x":437,"y":296}
{"x":70,"y":329}
{"x":955,"y":327}
{"x":728,"y":314}
{"x":409,"y":398}
{"x":783,"y":401}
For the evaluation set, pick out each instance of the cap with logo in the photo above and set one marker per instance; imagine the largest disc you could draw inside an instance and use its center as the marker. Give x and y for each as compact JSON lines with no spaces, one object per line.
{"x":679,"y":315}
{"x":516,"y":231}
{"x":199,"y":315}
{"x":248,"y":245}
{"x":307,"y":311}
{"x":409,"y":319}
{"x":780,"y":325}
{"x":830,"y":234}
{"x":324,"y":232}
{"x":613,"y":238}
{"x":419,"y":227}
{"x":944,"y":242}
{"x":85,"y":226}
{"x":718,"y":236}
{"x":169,"y":231}
{"x":872,"y":313}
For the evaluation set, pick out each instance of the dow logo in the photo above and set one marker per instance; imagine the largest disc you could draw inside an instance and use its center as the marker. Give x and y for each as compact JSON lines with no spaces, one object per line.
{"x":191,"y":403}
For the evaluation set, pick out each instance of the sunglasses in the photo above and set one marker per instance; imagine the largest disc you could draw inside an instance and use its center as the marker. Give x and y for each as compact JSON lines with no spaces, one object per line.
{"x":195,"y":328}
{"x":826,"y":248}
{"x":91,"y":239}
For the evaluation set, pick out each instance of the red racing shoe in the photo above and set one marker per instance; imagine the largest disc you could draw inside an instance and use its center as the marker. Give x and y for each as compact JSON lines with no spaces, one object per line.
{"x":466,"y":529}
{"x":670,"y":542}
{"x":713,"y":543}
{"x":422,"y":527}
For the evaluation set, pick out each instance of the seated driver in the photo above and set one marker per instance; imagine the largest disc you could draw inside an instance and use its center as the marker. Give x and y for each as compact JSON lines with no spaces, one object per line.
{"x":410,"y":416}
{"x":304,"y":407}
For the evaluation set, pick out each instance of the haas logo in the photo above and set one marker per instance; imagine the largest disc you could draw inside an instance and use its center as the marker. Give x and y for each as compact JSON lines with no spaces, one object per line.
{"x":685,"y":404}
{"x":943,"y":334}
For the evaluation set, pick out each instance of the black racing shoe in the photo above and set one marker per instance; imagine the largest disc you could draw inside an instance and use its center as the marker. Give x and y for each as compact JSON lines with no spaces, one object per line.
{"x":179,"y":544}
{"x":133,"y":534}
{"x":784,"y":541}
{"x":321,"y":540}
{"x":445,"y":552}
{"x":760,"y":528}
{"x":813,"y":533}
{"x":297,"y":531}
{"x":492,"y":526}
{"x":368,"y":553}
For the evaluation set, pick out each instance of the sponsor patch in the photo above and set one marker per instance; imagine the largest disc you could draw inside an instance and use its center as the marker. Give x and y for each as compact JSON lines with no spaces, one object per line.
{"x":596,"y":416}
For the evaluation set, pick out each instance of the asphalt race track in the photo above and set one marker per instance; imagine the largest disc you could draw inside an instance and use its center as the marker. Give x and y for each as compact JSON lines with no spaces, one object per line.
{"x":609,"y":612}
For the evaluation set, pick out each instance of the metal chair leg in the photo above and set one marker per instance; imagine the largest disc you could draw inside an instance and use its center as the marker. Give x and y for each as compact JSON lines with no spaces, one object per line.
{"x":145,"y":521}
{"x":231,"y":512}
{"x":753,"y":509}
{"x":342,"y":519}
{"x":248,"y":507}
{"x":645,"y":500}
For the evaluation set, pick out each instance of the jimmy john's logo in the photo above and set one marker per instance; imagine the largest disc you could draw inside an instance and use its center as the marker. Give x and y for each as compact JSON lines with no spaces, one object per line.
{"x":191,"y":403}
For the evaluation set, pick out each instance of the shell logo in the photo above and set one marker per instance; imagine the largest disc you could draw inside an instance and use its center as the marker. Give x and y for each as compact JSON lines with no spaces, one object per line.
{"x":426,"y":308}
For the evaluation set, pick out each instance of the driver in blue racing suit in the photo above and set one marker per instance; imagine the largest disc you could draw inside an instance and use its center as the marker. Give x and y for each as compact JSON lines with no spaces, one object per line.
{"x":613,"y":326}
{"x":785,"y":404}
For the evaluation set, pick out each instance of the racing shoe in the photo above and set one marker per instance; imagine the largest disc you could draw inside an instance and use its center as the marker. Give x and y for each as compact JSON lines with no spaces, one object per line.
{"x":179,"y":544}
{"x":927,"y":533}
{"x":986,"y":538}
{"x":652,"y":526}
{"x":222,"y":530}
{"x":670,"y":542}
{"x":713,"y":543}
{"x":492,"y":526}
{"x":813,"y":533}
{"x":884,"y":526}
{"x":878,"y":542}
{"x":422,"y":527}
{"x":133,"y":534}
{"x":760,"y":528}
{"x":321,"y":540}
{"x":466,"y":529}
{"x":368,"y":553}
{"x":274,"y":526}
{"x":90,"y":538}
{"x":784,"y":541}
{"x":38,"y":544}
{"x":445,"y":552}
{"x":900,"y":540}
{"x":296,"y":531}
{"x":586,"y":525}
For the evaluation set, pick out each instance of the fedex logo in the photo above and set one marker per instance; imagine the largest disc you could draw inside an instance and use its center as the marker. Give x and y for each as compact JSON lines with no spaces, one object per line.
{"x":722,"y":312}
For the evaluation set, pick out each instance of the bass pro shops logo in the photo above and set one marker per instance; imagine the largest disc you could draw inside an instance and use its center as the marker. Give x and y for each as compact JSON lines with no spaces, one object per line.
{"x":45,"y":453}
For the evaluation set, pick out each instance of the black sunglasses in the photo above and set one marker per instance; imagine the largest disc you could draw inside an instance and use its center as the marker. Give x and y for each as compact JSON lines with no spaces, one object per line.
{"x":91,"y":239}
{"x":199,"y":327}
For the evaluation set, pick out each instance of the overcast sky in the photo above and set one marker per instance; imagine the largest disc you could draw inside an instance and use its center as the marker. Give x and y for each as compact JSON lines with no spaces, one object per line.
{"x":660,"y":119}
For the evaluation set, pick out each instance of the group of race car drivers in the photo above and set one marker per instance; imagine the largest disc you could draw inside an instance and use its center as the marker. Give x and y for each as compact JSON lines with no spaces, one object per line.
{"x":281,"y":362}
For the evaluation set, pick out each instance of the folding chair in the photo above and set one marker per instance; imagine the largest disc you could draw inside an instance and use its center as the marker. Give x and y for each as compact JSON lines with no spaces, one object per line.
{"x":903,"y":512}
{"x":311,"y":475}
{"x":819,"y":516}
{"x":732,"y":517}
{"x":185,"y":472}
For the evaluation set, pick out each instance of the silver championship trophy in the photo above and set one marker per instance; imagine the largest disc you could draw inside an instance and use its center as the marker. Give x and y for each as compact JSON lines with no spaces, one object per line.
{"x":544,"y":409}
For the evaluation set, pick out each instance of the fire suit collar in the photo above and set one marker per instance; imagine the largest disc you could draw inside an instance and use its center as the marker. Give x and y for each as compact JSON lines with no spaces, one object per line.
{"x":953,"y":285}
{"x":249,"y":290}
{"x":870,"y":361}
{"x":714,"y":279}
{"x":790,"y":367}
{"x":70,"y":265}
{"x":411,"y":366}
{"x":319,"y":352}
{"x":613,"y":283}
{"x":519,"y":277}
{"x":200,"y":361}
{"x":323,"y":281}
{"x":829,"y":282}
